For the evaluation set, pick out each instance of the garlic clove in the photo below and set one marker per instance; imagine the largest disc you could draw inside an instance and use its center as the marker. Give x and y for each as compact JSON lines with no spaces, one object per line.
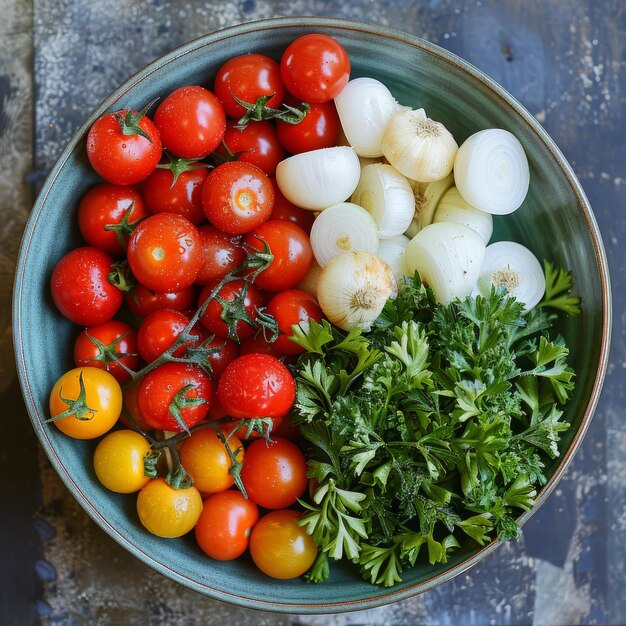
{"x":427,"y":198}
{"x":454,"y":208}
{"x":418,"y":147}
{"x":345,"y":227}
{"x":448,"y":258}
{"x":354,"y":288}
{"x":385,"y":194}
{"x":321,"y":178}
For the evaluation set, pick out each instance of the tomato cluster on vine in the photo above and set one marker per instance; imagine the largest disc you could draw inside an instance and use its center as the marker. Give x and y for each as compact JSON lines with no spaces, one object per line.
{"x":187,"y":292}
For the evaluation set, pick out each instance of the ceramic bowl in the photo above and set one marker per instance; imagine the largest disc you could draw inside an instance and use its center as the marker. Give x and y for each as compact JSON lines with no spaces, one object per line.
{"x":556,"y":222}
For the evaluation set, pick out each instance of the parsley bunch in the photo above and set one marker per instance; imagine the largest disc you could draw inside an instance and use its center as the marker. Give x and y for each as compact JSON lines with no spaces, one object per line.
{"x":431,"y":431}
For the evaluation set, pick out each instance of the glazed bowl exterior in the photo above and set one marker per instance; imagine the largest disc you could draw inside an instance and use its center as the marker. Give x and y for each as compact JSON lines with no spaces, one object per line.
{"x":556,"y":222}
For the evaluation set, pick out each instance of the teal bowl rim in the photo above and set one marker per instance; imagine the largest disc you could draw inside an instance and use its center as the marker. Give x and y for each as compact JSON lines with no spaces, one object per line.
{"x":507,"y":101}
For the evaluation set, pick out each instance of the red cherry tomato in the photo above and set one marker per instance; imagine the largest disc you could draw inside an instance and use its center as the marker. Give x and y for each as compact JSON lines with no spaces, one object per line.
{"x":226,"y":352}
{"x":212,"y":317}
{"x":80,"y":289}
{"x":315,"y":68}
{"x":274,"y":473}
{"x":237,"y":197}
{"x":256,"y":344}
{"x":317,"y":130}
{"x":118,"y":339}
{"x":165,"y":252}
{"x":159,"y":331}
{"x":123,"y":147}
{"x":291,"y":248}
{"x":102,"y":209}
{"x":142,"y":301}
{"x":163,"y":389}
{"x":184,"y":196}
{"x":248,"y":77}
{"x":225,"y":524}
{"x":256,"y":385}
{"x":221,"y":254}
{"x":288,"y":211}
{"x":132,"y":410}
{"x":292,"y":307}
{"x":191,"y":122}
{"x":256,"y":143}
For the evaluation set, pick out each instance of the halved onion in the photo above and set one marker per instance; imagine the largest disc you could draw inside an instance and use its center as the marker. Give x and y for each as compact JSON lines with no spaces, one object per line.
{"x":454,"y":208}
{"x":448,"y":258}
{"x":387,"y":196}
{"x":491,"y":171}
{"x":318,"y":179}
{"x":344,"y":227}
{"x":512,"y":266}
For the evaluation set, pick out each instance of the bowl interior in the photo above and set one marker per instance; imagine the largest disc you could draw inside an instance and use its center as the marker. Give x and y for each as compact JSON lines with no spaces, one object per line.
{"x":554,"y":222}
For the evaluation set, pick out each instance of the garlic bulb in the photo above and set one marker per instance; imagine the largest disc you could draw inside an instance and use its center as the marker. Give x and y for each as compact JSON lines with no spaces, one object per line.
{"x":419,"y":147}
{"x":427,"y":197}
{"x":364,"y":106}
{"x":491,"y":171}
{"x":353,"y":289}
{"x":344,"y":227}
{"x":318,"y":179}
{"x":453,"y":208}
{"x":392,"y":252}
{"x":310,"y":281}
{"x":387,"y":196}
{"x":448,"y":258}
{"x":512,"y":266}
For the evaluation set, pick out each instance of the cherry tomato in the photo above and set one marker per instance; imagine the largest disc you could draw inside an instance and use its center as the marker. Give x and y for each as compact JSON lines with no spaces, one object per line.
{"x":102,"y":218}
{"x":286,"y":210}
{"x":237,"y":197}
{"x":208,"y":462}
{"x":256,"y":344}
{"x":123,"y":147}
{"x":317,"y":130}
{"x":129,"y":395}
{"x":159,"y":331}
{"x":183,"y":197}
{"x":315,"y":68}
{"x":94,"y":396}
{"x":230,"y":292}
{"x":248,"y":77}
{"x":191,"y":122}
{"x":118,"y":339}
{"x":118,"y":461}
{"x":292,"y":307}
{"x":223,"y":530}
{"x":165,"y":252}
{"x":256,"y":143}
{"x":291,"y":248}
{"x":256,"y":385}
{"x":80,"y":289}
{"x":274,"y":473}
{"x":226,"y":351}
{"x":174,"y":388}
{"x":287,"y":429}
{"x":222,"y":254}
{"x":142,"y":301}
{"x":279,"y":547}
{"x":168,"y":512}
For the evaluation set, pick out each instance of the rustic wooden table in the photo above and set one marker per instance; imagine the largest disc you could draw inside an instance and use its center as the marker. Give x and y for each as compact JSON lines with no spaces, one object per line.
{"x":565,"y":60}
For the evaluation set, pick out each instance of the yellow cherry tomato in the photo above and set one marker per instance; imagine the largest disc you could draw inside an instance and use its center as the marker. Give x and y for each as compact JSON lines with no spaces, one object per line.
{"x":90,"y":401}
{"x":118,"y":461}
{"x":279,"y":547}
{"x":206,"y":459}
{"x":168,"y":512}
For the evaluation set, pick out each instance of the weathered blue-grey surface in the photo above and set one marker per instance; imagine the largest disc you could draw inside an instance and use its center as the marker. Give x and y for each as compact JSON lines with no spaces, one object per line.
{"x":566,"y":61}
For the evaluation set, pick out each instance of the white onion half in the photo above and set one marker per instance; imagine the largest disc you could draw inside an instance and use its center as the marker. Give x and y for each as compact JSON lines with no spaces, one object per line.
{"x":387,"y":195}
{"x":392,"y":252}
{"x":454,"y":208}
{"x":344,"y":227}
{"x":364,"y":106}
{"x":448,"y":258}
{"x":491,"y":171}
{"x":514,"y":267}
{"x":318,"y":179}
